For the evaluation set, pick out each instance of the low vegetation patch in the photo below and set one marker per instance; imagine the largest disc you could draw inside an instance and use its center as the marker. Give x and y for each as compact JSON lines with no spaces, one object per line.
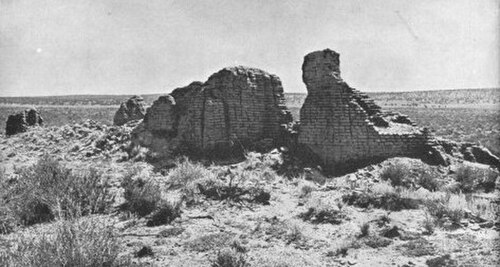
{"x":417,"y":248}
{"x":165,"y":214}
{"x":470,"y":179}
{"x":208,"y":242}
{"x":49,"y":190}
{"x":230,"y":258}
{"x":88,"y":242}
{"x":141,"y":197}
{"x":323,"y":214}
{"x":397,"y":174}
{"x":389,"y":200}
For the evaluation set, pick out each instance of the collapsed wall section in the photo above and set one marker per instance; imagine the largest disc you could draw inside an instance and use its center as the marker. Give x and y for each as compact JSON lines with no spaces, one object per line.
{"x":345,"y":128}
{"x":235,"y":108}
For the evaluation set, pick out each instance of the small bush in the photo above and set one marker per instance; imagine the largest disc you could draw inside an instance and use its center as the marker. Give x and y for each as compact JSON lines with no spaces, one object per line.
{"x":365,"y":230}
{"x":230,"y":258}
{"x":417,"y":248}
{"x":323,"y":214}
{"x":377,"y":241}
{"x":397,"y":174}
{"x":427,"y":180}
{"x":142,"y":197}
{"x":87,"y":242}
{"x":306,"y":190}
{"x":440,"y":209}
{"x":49,"y":190}
{"x":390,"y":200}
{"x":429,"y":224}
{"x":165,"y":214}
{"x":209,"y":242}
{"x":471,"y":179}
{"x":187,"y":172}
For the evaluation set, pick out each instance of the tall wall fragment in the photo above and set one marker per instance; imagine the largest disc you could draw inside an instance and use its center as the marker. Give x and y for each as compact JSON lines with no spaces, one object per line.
{"x":235,"y":107}
{"x":342,"y":126}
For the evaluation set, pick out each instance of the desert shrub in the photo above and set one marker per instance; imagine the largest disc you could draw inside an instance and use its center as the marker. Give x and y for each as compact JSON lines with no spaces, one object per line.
{"x":165,"y":214}
{"x":441,"y":209}
{"x":397,"y":174}
{"x":323,"y":214}
{"x":50,"y":190}
{"x":88,"y":242}
{"x":365,"y":230}
{"x":471,"y":179}
{"x":429,"y":224}
{"x":306,"y":190}
{"x":294,"y":235}
{"x":376,"y":241}
{"x":230,"y":258}
{"x":141,"y":197}
{"x":186,"y":172}
{"x":7,"y":220}
{"x":417,"y":248}
{"x":209,"y":242}
{"x":427,"y":180}
{"x":236,"y":189}
{"x":389,"y":200}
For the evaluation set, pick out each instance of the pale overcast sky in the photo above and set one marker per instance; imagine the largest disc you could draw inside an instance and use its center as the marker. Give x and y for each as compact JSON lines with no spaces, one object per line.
{"x":54,"y":47}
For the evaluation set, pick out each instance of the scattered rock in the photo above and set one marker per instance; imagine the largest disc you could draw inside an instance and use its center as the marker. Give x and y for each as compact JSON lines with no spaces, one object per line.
{"x":20,"y":122}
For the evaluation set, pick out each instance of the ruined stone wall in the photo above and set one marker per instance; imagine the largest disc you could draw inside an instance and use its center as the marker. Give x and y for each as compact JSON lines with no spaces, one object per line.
{"x":342,"y":126}
{"x":235,"y":107}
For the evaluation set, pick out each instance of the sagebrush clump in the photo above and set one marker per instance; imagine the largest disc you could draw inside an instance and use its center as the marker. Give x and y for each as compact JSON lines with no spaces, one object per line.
{"x":49,"y":190}
{"x":87,"y":242}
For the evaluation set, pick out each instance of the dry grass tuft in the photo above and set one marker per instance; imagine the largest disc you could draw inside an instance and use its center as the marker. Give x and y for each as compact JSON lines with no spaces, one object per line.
{"x":87,"y":242}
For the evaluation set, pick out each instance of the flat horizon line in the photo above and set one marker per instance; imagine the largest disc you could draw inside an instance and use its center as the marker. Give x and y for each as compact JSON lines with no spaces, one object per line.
{"x":362,"y":90}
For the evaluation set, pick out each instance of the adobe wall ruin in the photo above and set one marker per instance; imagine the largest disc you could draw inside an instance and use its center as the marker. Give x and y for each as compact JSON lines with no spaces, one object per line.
{"x":132,"y":109}
{"x":234,"y":108}
{"x":342,"y":126}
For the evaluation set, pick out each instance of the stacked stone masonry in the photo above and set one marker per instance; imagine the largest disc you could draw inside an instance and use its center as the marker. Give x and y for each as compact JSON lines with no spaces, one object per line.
{"x":235,"y":107}
{"x":132,"y":109}
{"x":342,"y":126}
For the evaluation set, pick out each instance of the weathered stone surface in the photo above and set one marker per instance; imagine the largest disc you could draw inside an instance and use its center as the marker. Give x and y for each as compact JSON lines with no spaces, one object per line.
{"x":236,"y":107}
{"x":441,"y":151}
{"x":343,"y":126}
{"x":20,"y":122}
{"x":133,"y":109}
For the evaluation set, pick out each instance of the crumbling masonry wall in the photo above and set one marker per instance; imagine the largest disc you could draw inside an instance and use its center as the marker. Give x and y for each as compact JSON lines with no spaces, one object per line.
{"x":342,"y":126}
{"x":235,"y":107}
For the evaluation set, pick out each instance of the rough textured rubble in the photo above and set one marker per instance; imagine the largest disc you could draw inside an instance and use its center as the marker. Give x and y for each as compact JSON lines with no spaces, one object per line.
{"x":19,"y":123}
{"x":132,"y":109}
{"x":235,"y":108}
{"x":342,"y":126}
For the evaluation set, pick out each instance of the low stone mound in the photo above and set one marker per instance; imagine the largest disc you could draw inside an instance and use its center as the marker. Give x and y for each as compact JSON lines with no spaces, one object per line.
{"x":20,"y":122}
{"x":132,"y":109}
{"x":235,"y":109}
